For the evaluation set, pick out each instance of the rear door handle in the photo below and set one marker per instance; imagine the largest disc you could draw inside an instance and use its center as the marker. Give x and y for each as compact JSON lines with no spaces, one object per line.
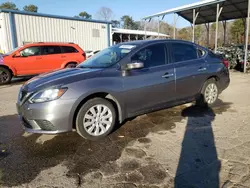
{"x":38,"y":58}
{"x":202,"y":69}
{"x":167,"y":75}
{"x":63,"y":56}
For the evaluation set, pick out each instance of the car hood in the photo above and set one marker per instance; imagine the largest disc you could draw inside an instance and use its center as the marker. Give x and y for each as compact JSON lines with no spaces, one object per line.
{"x":60,"y":77}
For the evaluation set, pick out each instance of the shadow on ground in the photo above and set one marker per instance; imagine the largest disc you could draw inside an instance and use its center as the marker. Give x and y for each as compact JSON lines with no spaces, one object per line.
{"x":24,"y":157}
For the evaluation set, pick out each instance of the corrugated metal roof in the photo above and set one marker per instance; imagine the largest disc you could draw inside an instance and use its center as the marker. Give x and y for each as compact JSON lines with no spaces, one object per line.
{"x":53,"y":16}
{"x":137,"y":32}
{"x":232,"y":9}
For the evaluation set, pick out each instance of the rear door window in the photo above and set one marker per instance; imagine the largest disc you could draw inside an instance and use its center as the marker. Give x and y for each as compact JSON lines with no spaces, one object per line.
{"x":183,"y":52}
{"x":69,"y":49}
{"x":49,"y":50}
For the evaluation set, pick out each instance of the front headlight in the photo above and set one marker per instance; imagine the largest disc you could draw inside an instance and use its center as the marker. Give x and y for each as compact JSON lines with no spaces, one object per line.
{"x":47,"y":95}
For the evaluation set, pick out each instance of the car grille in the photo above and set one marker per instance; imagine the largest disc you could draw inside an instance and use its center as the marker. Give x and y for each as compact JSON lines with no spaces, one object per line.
{"x":45,"y":125}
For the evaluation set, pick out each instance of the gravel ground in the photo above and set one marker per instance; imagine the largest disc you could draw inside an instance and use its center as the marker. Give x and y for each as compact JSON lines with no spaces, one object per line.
{"x":185,"y":146}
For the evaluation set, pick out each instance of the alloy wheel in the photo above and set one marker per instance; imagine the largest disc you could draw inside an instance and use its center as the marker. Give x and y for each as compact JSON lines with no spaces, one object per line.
{"x":98,"y":120}
{"x":211,"y":93}
{"x":3,"y":76}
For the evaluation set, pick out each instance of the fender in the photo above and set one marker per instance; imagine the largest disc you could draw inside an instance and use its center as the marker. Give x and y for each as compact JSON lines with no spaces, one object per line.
{"x":13,"y":70}
{"x":85,"y":96}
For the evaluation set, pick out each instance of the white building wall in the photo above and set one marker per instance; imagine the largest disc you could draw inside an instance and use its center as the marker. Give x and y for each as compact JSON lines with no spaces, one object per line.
{"x":31,"y":28}
{"x":5,"y":34}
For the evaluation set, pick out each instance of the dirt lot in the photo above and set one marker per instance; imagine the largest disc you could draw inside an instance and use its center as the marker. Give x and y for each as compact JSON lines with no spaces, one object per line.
{"x":182,"y":147}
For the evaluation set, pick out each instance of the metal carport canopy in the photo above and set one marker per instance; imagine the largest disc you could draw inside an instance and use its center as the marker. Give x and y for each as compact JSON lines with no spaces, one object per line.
{"x":232,"y":9}
{"x":208,"y":11}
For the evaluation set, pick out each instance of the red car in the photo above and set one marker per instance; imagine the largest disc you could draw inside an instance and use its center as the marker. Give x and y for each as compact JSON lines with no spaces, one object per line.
{"x":37,"y":58}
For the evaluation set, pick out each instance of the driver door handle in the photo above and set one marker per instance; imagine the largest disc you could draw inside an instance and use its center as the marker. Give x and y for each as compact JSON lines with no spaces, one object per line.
{"x":202,"y":69}
{"x":167,"y":75}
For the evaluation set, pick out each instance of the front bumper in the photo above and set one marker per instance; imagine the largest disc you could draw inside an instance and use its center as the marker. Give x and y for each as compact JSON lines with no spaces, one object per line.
{"x":46,"y":118}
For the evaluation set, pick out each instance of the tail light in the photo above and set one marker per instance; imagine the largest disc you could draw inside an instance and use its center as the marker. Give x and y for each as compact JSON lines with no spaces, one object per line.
{"x":226,"y":63}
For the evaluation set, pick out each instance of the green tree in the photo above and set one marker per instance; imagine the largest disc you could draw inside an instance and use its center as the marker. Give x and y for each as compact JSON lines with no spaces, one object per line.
{"x":129,"y":23}
{"x":30,"y":8}
{"x":197,"y":33}
{"x":237,"y":31}
{"x":115,"y":23}
{"x":184,"y":34}
{"x":84,"y":15}
{"x":8,"y":5}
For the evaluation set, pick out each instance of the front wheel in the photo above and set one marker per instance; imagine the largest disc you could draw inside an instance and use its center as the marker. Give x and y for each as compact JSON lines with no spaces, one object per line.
{"x":209,"y":93}
{"x":96,"y":119}
{"x":5,"y":76}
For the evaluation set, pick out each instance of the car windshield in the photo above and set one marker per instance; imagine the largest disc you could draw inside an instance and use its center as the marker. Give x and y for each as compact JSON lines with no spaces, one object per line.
{"x":10,"y":52}
{"x":108,"y":56}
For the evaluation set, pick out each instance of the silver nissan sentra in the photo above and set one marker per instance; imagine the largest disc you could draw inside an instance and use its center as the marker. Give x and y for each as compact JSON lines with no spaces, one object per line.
{"x":122,"y":81}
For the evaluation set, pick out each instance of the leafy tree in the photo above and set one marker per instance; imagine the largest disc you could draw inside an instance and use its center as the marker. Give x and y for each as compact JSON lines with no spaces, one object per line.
{"x":237,"y":31}
{"x":8,"y":5}
{"x":105,"y":13}
{"x":184,"y":34}
{"x":84,"y":15}
{"x":115,"y":23}
{"x":197,"y":33}
{"x":129,"y":23}
{"x":30,"y":8}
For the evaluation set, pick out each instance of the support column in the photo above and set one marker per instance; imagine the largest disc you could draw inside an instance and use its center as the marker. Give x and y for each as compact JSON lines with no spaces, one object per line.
{"x":175,"y":22}
{"x":145,"y":30}
{"x":158,"y":27}
{"x":208,"y":34}
{"x":247,"y":32}
{"x":218,"y":12}
{"x":120,"y":37}
{"x":195,"y":16}
{"x":136,"y":37}
{"x":129,"y":37}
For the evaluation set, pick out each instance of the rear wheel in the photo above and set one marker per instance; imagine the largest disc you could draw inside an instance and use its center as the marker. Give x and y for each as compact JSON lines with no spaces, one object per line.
{"x":5,"y":76}
{"x":209,"y":93}
{"x":96,"y":119}
{"x":71,"y":65}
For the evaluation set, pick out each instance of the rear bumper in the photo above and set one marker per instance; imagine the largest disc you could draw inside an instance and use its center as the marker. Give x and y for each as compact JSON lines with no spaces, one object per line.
{"x":223,"y":84}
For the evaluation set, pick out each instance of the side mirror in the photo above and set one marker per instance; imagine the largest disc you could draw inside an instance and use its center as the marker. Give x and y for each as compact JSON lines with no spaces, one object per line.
{"x":135,"y":65}
{"x":17,"y":54}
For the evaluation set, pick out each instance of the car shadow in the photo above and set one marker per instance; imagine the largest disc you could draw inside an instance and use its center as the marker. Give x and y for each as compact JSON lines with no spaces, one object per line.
{"x":24,"y":156}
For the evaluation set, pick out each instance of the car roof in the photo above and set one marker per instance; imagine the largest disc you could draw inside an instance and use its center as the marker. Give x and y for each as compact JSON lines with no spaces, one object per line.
{"x":145,"y":42}
{"x":50,"y":43}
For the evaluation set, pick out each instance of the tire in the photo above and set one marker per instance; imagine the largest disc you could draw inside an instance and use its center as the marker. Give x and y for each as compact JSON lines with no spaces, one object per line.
{"x":5,"y":76}
{"x":71,"y":65}
{"x":96,"y":129}
{"x":208,"y":98}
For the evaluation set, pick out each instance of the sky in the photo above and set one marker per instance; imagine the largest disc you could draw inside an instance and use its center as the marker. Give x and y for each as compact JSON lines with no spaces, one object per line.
{"x":135,"y":8}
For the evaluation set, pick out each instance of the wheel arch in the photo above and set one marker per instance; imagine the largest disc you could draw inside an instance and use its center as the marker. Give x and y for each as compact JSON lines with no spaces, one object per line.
{"x":12,"y":71}
{"x":104,"y":95}
{"x":68,"y":62}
